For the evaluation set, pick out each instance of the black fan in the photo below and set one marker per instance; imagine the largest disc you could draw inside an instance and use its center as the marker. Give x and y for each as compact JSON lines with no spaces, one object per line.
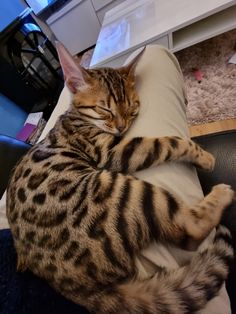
{"x":34,"y":57}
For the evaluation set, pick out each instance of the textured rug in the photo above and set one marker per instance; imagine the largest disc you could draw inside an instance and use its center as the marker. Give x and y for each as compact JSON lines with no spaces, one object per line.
{"x":214,"y":98}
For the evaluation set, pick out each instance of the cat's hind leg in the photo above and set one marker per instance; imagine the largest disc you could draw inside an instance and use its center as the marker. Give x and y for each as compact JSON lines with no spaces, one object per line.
{"x":168,"y":217}
{"x":141,"y":211}
{"x":200,"y":219}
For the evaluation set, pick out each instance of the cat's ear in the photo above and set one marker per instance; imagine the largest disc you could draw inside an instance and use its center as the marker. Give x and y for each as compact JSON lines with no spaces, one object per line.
{"x":129,"y":69}
{"x":74,"y":74}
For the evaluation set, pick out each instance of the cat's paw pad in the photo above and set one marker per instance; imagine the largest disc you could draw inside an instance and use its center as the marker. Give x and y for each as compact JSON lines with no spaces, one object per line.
{"x":206,"y":161}
{"x":224,"y":193}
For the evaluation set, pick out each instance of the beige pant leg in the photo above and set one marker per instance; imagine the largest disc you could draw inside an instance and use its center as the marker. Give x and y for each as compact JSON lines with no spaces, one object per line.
{"x":162,"y":112}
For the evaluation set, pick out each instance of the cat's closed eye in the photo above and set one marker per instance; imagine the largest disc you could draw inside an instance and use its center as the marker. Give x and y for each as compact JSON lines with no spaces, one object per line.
{"x":104,"y":111}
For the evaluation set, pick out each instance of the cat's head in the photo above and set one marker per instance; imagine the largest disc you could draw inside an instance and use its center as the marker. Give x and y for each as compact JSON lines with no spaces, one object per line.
{"x":105,"y":97}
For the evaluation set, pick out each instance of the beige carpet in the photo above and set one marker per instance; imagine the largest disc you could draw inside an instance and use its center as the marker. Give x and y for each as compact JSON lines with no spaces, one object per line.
{"x":214,"y":98}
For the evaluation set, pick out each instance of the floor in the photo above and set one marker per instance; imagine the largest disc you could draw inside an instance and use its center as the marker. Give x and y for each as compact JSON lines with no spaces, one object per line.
{"x":211,"y":91}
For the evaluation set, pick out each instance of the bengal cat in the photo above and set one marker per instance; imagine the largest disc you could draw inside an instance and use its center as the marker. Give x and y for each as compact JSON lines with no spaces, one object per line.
{"x":79,"y":217}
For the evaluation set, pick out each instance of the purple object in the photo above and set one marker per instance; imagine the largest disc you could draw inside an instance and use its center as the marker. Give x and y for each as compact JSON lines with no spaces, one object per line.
{"x":26,"y":131}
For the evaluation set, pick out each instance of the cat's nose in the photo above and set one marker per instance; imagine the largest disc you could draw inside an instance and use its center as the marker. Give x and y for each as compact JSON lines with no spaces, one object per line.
{"x":120,"y":128}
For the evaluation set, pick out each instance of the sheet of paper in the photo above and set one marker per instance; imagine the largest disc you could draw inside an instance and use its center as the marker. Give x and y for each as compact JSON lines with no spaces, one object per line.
{"x":33,"y":118}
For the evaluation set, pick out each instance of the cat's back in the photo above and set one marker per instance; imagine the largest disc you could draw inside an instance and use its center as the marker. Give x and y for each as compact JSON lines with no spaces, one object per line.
{"x":43,"y":185}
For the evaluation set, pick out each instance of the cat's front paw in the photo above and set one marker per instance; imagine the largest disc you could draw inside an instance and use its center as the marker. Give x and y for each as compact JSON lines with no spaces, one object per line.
{"x":205,"y":161}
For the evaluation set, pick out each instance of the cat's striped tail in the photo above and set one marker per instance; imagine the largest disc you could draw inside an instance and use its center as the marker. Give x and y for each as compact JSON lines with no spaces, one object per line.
{"x":185,"y":290}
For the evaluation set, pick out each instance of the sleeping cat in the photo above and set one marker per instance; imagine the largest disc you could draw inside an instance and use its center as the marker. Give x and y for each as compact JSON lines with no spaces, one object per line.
{"x":79,"y":217}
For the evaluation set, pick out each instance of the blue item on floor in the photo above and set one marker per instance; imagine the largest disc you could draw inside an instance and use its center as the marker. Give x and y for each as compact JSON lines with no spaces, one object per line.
{"x":12,"y":117}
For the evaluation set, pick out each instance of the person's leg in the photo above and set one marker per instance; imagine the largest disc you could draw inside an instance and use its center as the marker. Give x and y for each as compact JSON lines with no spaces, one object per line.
{"x":162,"y":113}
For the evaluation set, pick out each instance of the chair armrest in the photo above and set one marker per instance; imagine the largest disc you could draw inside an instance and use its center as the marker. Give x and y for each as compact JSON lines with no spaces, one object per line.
{"x":11,"y":150}
{"x":223,"y":147}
